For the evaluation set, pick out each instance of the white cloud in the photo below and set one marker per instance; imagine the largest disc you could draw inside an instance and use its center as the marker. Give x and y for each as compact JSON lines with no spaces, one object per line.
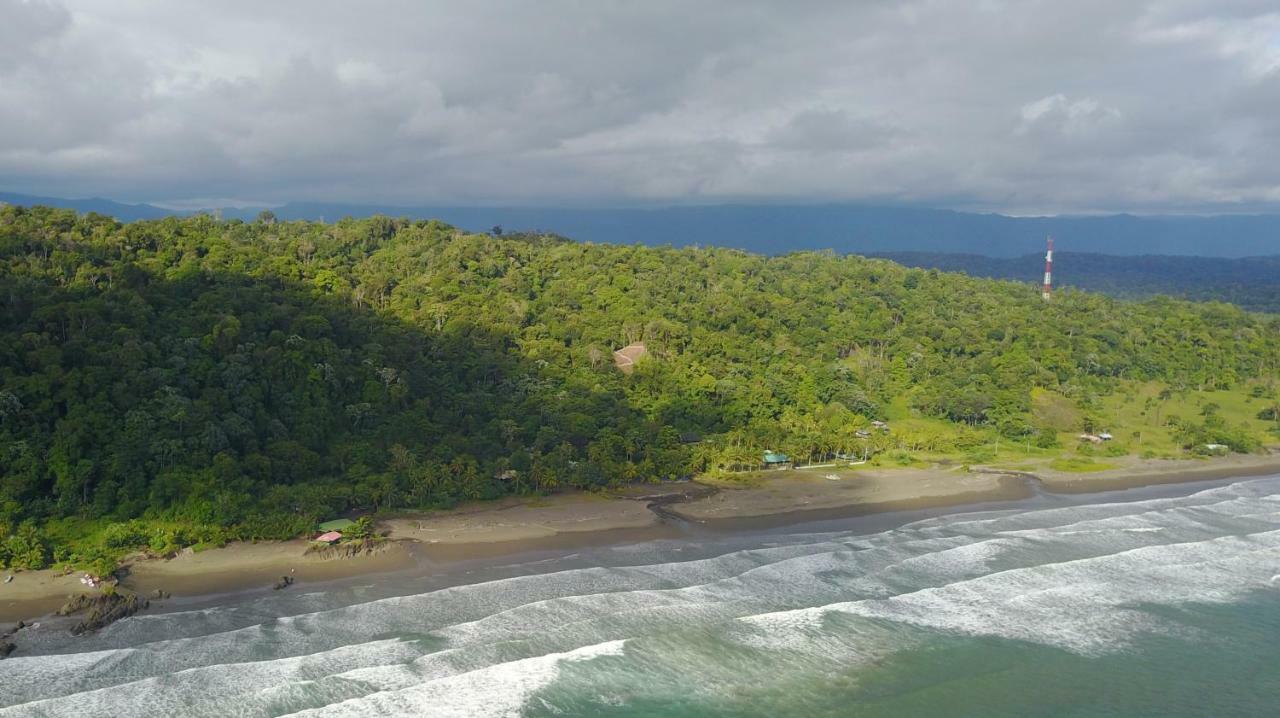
{"x":1068,"y":117}
{"x":1000,"y":105}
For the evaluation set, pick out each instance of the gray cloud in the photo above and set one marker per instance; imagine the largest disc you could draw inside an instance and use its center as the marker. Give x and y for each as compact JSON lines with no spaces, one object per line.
{"x":1013,"y":106}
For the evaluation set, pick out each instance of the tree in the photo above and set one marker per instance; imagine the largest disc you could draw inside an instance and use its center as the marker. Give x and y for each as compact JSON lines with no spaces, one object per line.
{"x":237,"y":379}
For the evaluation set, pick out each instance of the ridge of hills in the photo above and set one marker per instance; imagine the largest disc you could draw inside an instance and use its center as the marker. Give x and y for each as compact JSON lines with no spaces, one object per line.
{"x":189,"y":381}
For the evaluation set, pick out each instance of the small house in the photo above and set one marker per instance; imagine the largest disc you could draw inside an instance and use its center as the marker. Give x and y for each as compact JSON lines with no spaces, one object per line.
{"x":507,"y":475}
{"x":862,"y":434}
{"x":328,"y":537}
{"x":776,"y":460}
{"x":690,"y":437}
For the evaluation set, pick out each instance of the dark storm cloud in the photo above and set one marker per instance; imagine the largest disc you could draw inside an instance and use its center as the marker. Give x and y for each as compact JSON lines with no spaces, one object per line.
{"x":1017,"y":106}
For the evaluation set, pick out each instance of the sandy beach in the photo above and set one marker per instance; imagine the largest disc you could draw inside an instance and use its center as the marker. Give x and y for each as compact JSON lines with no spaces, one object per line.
{"x":795,"y":493}
{"x":517,"y":519}
{"x":234,"y":567}
{"x":1132,"y":471}
{"x":515,"y":525}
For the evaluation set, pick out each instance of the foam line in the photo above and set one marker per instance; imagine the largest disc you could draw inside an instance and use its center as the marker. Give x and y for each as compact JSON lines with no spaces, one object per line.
{"x":1085,"y":605}
{"x":1071,"y":577}
{"x":497,"y":690}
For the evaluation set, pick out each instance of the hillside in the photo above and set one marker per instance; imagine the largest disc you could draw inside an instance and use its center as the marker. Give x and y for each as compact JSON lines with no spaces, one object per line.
{"x":227,"y":379}
{"x":782,"y":228}
{"x":1252,"y":282}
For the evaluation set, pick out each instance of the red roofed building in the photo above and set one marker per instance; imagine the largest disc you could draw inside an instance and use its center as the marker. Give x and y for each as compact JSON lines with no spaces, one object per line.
{"x":329,"y":537}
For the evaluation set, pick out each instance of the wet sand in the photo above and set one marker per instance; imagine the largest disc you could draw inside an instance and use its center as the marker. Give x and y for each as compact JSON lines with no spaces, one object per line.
{"x":233,"y":568}
{"x":517,"y":525}
{"x":515,"y":519}
{"x":797,"y":495}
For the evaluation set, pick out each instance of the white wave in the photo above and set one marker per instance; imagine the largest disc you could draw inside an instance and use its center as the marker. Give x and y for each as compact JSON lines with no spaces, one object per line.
{"x":1263,"y":489}
{"x":1086,"y":605}
{"x":1071,"y":577}
{"x":498,"y":690}
{"x":207,"y":688}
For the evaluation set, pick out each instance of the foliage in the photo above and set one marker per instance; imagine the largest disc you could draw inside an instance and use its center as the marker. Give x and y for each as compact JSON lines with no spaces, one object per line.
{"x":195,"y":381}
{"x":361,"y":529}
{"x":1079,"y":465}
{"x":24,"y":548}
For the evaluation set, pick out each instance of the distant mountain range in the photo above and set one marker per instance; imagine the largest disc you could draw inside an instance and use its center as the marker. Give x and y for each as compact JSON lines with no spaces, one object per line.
{"x":774,"y":229}
{"x":1253,"y":283}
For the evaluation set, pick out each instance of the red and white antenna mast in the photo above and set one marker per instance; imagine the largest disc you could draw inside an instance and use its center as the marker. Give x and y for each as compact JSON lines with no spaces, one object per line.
{"x":1048,"y":271}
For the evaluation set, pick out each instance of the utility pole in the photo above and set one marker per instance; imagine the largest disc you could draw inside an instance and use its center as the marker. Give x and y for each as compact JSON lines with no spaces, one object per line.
{"x":1048,"y":271}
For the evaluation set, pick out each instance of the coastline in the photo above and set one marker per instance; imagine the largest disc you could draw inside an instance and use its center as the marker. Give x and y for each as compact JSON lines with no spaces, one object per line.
{"x":638,"y":513}
{"x":1149,"y":472}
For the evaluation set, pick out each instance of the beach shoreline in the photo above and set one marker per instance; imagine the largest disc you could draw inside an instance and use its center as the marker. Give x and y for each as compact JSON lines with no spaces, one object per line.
{"x":512,"y":526}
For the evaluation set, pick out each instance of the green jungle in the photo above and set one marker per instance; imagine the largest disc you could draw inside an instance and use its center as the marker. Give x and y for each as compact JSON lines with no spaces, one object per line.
{"x":191,"y":381}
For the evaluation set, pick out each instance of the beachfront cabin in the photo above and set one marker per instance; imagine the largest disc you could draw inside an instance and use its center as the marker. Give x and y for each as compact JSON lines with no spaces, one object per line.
{"x":336,"y":525}
{"x":329,"y":537}
{"x":776,"y":460}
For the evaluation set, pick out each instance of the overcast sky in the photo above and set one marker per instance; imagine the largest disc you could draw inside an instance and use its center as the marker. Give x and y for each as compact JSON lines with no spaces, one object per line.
{"x":1023,"y":107}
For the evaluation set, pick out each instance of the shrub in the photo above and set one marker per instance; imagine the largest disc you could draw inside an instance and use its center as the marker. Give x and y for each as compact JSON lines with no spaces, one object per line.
{"x":1115,"y":448}
{"x":362,"y":529}
{"x":124,"y":536}
{"x":25,"y":548}
{"x":1046,"y":439}
{"x":980,"y":456}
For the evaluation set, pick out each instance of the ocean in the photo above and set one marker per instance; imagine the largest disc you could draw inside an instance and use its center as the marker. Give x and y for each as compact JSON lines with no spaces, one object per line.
{"x":1161,"y":602}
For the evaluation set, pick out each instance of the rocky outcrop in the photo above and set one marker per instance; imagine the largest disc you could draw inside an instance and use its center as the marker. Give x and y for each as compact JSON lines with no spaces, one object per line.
{"x":682,"y":492}
{"x":102,"y":610}
{"x":6,"y":646}
{"x":348,"y":549}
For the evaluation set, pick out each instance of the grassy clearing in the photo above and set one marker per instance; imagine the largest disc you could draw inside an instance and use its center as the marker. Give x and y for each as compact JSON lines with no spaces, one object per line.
{"x":1051,"y":410}
{"x":1079,"y":465}
{"x":1139,"y":414}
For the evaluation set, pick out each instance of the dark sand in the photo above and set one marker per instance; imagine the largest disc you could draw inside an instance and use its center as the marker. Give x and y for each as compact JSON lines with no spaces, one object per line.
{"x":564,"y":522}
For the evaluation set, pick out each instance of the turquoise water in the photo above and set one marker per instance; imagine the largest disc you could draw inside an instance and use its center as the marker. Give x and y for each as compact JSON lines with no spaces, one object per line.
{"x":1165,"y":606}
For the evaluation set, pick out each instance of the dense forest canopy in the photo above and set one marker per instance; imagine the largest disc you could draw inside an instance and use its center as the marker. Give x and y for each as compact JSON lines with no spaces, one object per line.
{"x":240,"y":379}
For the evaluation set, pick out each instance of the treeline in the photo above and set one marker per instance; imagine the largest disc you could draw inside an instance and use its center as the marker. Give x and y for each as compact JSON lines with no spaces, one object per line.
{"x":1253,"y":282}
{"x":241,"y":379}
